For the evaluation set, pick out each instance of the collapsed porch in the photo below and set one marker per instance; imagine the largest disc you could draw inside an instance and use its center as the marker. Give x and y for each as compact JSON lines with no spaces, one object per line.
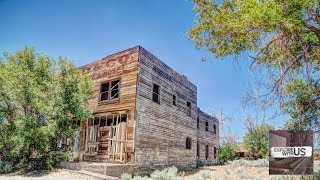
{"x":106,"y":138}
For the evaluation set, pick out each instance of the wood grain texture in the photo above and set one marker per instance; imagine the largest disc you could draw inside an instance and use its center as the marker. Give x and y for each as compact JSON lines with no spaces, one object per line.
{"x":122,"y":66}
{"x":208,"y":137}
{"x":162,"y":129}
{"x":156,"y":132}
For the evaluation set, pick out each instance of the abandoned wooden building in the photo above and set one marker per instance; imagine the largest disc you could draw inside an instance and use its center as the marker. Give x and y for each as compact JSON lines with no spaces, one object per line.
{"x":145,"y":113}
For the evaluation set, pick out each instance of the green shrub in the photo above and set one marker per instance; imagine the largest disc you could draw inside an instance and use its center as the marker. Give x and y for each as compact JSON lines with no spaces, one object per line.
{"x":200,"y":162}
{"x":246,"y":176}
{"x":227,"y":152}
{"x":203,"y":175}
{"x":5,"y":167}
{"x":140,"y":178}
{"x":239,"y":170}
{"x":253,"y":163}
{"x":170,"y":173}
{"x":126,"y":176}
{"x":226,"y":170}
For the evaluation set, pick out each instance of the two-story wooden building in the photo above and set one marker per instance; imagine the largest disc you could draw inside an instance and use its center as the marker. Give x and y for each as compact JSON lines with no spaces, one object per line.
{"x":145,"y":113}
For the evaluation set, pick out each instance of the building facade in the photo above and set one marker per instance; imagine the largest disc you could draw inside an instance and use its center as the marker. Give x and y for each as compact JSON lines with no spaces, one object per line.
{"x":145,"y":113}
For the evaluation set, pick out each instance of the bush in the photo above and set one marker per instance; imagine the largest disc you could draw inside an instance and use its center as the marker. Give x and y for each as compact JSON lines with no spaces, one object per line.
{"x":200,"y":162}
{"x":227,"y":152}
{"x":255,"y":163}
{"x":239,"y":170}
{"x":170,"y":173}
{"x":203,"y":175}
{"x":5,"y":167}
{"x":126,"y":176}
{"x":227,"y":171}
{"x":140,"y":178}
{"x":246,"y":176}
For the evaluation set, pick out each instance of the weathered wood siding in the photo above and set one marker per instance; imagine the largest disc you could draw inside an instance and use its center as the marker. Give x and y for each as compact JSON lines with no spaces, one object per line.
{"x":124,"y":66}
{"x":161,"y":129}
{"x":157,"y":133}
{"x":208,"y":137}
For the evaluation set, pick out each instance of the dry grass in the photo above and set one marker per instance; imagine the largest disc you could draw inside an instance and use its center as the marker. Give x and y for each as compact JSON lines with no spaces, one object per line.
{"x":226,"y":172}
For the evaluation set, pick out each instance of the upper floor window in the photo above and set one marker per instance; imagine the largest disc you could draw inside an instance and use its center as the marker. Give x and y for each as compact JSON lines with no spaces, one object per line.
{"x":214,"y":129}
{"x":198,"y":122}
{"x":207,"y":126}
{"x":109,"y":90}
{"x":174,"y":99}
{"x":188,"y":143}
{"x":156,"y":93}
{"x":188,"y":108}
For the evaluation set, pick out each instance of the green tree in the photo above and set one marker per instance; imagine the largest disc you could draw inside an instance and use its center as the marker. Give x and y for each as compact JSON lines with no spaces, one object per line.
{"x":38,"y":98}
{"x":281,"y":38}
{"x":227,"y":152}
{"x":256,"y":140}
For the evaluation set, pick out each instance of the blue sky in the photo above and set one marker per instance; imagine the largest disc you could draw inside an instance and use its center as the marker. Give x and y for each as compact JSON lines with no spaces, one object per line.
{"x":86,"y":31}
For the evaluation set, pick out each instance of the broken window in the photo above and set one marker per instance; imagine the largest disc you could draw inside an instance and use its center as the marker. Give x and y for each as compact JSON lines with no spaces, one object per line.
{"x":174,"y":99}
{"x":198,"y":122}
{"x":207,"y":125}
{"x":188,"y":109}
{"x":188,"y":143}
{"x":110,"y":90}
{"x":207,"y":151}
{"x":198,"y":150}
{"x":214,"y":129}
{"x":103,"y":121}
{"x":156,"y":93}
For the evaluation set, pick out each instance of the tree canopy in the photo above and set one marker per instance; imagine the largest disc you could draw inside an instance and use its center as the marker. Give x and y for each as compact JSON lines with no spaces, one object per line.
{"x":257,"y":140}
{"x":39,"y":96}
{"x":280,"y":37}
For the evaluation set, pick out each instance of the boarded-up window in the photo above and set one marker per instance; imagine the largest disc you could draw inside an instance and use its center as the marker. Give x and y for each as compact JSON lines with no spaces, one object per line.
{"x":188,"y":109}
{"x":207,"y":126}
{"x":188,"y":143}
{"x":198,"y":150}
{"x":214,"y":129}
{"x":156,"y":93}
{"x":215,"y":152}
{"x":207,"y":151}
{"x":174,"y":99}
{"x":109,"y":90}
{"x":198,"y":122}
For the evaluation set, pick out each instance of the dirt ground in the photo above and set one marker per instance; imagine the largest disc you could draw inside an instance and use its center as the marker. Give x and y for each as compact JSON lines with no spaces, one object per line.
{"x":224,"y":172}
{"x":44,"y":175}
{"x":227,"y":172}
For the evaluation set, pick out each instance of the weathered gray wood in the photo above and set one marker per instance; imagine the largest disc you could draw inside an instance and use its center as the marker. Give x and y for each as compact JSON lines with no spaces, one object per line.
{"x":155,"y":133}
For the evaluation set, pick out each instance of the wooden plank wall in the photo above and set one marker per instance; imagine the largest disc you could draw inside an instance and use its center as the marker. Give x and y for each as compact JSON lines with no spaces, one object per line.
{"x":124,"y":66}
{"x":208,"y":137}
{"x":162,"y":129}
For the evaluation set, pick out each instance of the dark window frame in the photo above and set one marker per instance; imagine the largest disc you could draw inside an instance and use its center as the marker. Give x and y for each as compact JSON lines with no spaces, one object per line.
{"x":215,"y":152}
{"x":174,"y":100}
{"x":214,"y":129}
{"x":156,"y":95}
{"x":188,"y":143}
{"x":198,"y":122}
{"x":189,"y":108}
{"x":198,"y":149}
{"x":207,"y":152}
{"x":207,"y":125}
{"x":110,"y":90}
